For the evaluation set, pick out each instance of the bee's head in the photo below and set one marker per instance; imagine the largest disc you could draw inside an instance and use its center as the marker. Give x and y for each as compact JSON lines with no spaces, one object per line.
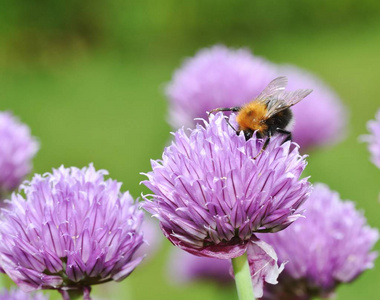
{"x":248,"y":134}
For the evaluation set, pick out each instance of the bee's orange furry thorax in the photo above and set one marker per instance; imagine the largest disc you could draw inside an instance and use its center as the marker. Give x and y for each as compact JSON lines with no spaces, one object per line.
{"x":252,"y":116}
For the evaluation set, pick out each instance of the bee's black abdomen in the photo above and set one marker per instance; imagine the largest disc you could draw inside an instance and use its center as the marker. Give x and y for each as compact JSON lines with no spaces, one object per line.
{"x":279,"y":120}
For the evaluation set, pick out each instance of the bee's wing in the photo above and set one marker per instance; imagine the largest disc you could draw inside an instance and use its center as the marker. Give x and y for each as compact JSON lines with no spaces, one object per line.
{"x":276,"y":86}
{"x":283,"y":100}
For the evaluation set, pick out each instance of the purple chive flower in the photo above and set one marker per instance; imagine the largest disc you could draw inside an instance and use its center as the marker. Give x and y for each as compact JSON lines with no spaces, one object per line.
{"x":373,"y":139}
{"x":73,"y":229}
{"x":215,"y":77}
{"x":329,"y":246}
{"x":17,"y":148}
{"x":211,"y":196}
{"x":223,"y":77}
{"x":17,"y":294}
{"x":320,"y":118}
{"x":184,"y":267}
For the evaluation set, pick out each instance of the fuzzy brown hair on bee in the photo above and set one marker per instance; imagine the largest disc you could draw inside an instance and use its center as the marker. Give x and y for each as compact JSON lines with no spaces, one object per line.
{"x":269,"y":113}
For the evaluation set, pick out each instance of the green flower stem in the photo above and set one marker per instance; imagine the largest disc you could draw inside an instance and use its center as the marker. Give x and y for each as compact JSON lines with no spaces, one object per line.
{"x":243,"y":278}
{"x":75,"y":294}
{"x":72,"y":294}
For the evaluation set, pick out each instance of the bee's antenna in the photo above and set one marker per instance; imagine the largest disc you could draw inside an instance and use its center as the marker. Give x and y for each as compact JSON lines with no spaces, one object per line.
{"x":233,"y":109}
{"x":228,"y":122}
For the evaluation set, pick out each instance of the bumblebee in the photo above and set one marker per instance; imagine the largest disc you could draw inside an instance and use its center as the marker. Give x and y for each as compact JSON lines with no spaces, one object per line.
{"x":269,"y":113}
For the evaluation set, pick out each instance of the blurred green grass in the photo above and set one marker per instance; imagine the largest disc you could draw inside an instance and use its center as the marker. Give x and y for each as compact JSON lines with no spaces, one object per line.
{"x":109,"y":109}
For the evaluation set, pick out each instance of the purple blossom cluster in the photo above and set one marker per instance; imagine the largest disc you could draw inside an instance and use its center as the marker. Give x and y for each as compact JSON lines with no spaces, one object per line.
{"x":17,"y":148}
{"x":211,"y":196}
{"x":320,"y":118}
{"x":223,"y":77}
{"x":17,"y":294}
{"x":373,"y":139}
{"x":72,"y":229}
{"x":331,"y":245}
{"x":215,"y":77}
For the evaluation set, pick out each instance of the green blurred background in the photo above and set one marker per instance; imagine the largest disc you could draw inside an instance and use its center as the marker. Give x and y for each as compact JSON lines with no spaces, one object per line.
{"x":87,"y":77}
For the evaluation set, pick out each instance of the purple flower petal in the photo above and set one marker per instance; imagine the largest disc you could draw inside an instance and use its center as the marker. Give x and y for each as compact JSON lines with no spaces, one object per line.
{"x":127,"y":269}
{"x":262,"y":260}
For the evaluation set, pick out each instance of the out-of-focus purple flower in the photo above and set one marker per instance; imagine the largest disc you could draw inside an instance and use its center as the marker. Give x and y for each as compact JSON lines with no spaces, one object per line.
{"x":373,"y":139}
{"x":17,"y":294}
{"x":222,"y":77}
{"x":211,"y":196}
{"x":215,"y":77}
{"x":184,"y":267}
{"x":73,"y":229}
{"x":330,"y":246}
{"x":152,"y":238}
{"x":320,"y":118}
{"x":17,"y":148}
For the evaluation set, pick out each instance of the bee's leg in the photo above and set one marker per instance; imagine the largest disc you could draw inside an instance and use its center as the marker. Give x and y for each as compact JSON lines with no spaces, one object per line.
{"x":234,"y":109}
{"x":266,"y":143}
{"x":285,"y":132}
